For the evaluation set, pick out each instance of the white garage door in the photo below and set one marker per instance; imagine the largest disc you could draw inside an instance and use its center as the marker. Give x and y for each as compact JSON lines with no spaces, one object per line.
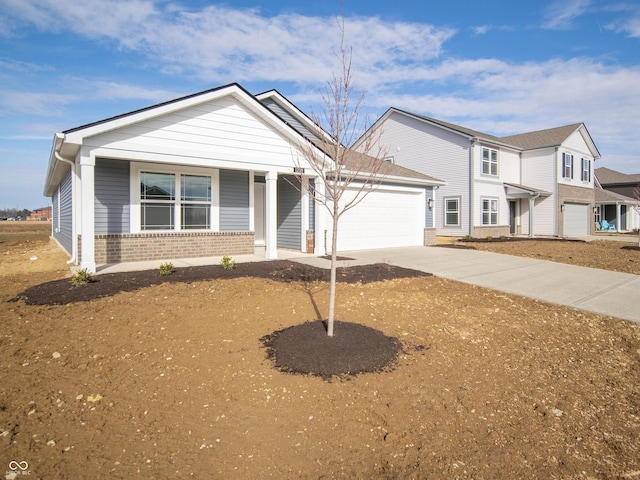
{"x":576,"y":219}
{"x":385,"y":218}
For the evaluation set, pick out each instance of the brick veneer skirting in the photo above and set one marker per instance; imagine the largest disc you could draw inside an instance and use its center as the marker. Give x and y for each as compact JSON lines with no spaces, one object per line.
{"x":429,"y":236}
{"x":311,"y":241}
{"x":167,"y":246}
{"x":495,"y":231}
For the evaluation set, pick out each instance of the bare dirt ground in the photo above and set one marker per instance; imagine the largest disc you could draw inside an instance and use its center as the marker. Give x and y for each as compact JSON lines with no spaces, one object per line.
{"x":173,"y":381}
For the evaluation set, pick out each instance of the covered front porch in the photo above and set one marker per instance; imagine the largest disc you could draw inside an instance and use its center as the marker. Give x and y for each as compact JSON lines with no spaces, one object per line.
{"x":522,"y":208}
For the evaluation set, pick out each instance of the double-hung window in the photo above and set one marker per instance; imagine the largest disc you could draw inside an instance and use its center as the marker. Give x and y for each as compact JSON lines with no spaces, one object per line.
{"x":489,"y":161}
{"x":489,"y":211}
{"x":452,"y":212}
{"x":586,"y":170}
{"x":567,"y":165}
{"x":163,"y":208}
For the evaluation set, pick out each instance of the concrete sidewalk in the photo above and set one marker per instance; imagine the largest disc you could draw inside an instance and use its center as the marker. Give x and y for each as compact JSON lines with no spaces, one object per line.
{"x":590,"y":289}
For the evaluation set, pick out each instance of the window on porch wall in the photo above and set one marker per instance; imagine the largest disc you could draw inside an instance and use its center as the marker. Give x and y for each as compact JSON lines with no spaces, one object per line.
{"x":159,"y":202}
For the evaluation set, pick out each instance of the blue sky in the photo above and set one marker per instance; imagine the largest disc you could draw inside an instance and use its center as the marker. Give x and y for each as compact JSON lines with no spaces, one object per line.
{"x":497,"y":66}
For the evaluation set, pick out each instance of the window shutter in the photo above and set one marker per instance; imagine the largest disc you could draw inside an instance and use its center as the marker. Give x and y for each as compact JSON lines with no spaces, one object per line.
{"x":589,"y":177}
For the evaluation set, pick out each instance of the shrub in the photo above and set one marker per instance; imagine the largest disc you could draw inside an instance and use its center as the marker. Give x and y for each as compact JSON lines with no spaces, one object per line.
{"x":81,"y":277}
{"x":468,"y":237}
{"x":489,"y":238}
{"x":166,"y":269}
{"x":228,"y":263}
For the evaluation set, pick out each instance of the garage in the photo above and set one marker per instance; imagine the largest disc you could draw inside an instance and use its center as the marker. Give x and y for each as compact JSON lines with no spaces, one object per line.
{"x":576,"y":219}
{"x":386,"y":217}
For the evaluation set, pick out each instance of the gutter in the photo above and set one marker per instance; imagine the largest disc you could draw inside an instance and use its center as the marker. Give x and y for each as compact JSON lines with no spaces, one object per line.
{"x":60,"y":158}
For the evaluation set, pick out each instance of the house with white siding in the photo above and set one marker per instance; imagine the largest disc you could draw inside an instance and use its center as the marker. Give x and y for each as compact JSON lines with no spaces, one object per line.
{"x":212,"y":174}
{"x":536,"y":183}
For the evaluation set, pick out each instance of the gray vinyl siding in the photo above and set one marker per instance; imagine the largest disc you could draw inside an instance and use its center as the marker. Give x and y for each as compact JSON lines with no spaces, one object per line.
{"x":289,"y":119}
{"x":63,"y":228}
{"x":428,"y":220}
{"x":289,"y":214}
{"x":234,"y":201}
{"x":112,"y":196}
{"x":437,"y":152}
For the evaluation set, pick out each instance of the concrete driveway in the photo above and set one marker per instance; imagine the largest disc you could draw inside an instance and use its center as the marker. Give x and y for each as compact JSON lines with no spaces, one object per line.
{"x":599,"y":291}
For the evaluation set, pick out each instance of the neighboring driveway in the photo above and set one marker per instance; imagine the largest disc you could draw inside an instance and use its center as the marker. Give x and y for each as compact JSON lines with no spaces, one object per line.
{"x":600,"y":291}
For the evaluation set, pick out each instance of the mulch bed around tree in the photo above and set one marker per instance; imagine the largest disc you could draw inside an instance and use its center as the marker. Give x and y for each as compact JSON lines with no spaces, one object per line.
{"x":61,"y":292}
{"x":353,"y":349}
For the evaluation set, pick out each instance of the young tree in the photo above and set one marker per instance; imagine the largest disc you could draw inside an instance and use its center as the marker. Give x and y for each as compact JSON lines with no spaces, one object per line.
{"x":329,"y":156}
{"x":636,"y":195}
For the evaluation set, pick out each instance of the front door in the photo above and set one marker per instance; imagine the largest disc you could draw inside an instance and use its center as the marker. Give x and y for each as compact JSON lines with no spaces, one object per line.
{"x":258,"y":212}
{"x":512,"y":216}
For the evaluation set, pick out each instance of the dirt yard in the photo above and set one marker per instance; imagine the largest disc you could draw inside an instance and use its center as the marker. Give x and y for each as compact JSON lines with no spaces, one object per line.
{"x":173,"y":381}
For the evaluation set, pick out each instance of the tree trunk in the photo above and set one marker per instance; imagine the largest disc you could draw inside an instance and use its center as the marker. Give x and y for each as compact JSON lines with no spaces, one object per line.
{"x":334,"y":262}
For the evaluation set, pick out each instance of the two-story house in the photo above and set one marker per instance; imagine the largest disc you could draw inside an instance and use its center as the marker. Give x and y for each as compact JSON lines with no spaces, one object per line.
{"x":537,"y":183}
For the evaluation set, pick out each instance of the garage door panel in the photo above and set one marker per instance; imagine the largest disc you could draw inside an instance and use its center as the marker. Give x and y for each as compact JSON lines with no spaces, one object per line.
{"x":382,"y":219}
{"x":576,"y":219}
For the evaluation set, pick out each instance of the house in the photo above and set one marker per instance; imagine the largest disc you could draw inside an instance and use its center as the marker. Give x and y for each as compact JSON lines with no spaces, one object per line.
{"x":615,"y":199}
{"x":40,"y":214}
{"x":537,"y":183}
{"x":209,"y":174}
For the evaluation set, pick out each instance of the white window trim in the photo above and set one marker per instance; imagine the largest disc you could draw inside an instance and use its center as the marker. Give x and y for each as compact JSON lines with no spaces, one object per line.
{"x":458,"y":211}
{"x":585,"y":162}
{"x":134,"y":194}
{"x":483,"y":211}
{"x":566,"y":156}
{"x":490,"y":162}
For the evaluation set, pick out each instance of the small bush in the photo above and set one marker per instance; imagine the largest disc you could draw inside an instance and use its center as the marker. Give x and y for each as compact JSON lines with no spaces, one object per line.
{"x":468,"y":237}
{"x":489,"y":238}
{"x":81,"y":277}
{"x":166,"y":269}
{"x":502,"y":237}
{"x":228,"y":263}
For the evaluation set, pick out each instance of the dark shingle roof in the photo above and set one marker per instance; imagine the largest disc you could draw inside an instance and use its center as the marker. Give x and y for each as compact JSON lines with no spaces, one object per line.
{"x":541,"y":138}
{"x":606,"y":176}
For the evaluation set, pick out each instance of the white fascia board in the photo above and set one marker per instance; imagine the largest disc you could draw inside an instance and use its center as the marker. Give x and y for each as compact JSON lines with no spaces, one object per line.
{"x":396,"y":179}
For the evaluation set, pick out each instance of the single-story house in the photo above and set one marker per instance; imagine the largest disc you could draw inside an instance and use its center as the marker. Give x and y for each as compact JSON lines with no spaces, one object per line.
{"x":209,"y":174}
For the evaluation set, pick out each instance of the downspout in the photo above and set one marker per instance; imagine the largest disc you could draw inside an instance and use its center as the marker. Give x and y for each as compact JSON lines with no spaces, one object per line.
{"x":532,"y":201}
{"x":471,"y":220}
{"x":74,"y":247}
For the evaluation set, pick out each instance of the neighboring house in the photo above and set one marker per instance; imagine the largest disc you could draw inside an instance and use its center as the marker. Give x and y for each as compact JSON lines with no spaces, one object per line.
{"x":40,"y":214}
{"x":615,"y":200}
{"x":211,"y":174}
{"x":537,"y":183}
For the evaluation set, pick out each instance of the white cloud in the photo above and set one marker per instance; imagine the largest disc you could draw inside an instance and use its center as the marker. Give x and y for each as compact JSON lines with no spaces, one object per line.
{"x":629,"y":24}
{"x":223,"y":44}
{"x":561,"y":13}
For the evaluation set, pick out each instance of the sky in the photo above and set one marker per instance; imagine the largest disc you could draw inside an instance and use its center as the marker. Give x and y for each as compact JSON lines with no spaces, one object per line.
{"x":497,"y":66}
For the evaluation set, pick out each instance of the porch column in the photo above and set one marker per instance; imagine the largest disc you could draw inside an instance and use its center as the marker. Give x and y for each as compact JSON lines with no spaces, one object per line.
{"x":271,"y":215}
{"x":321,"y":221}
{"x":618,"y":218}
{"x":87,"y":212}
{"x":532,"y":200}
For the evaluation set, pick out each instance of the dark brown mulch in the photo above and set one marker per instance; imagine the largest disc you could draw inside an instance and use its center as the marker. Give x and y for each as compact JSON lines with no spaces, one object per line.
{"x":631,"y":247}
{"x":61,"y":292}
{"x":518,"y":239}
{"x":353,"y":349}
